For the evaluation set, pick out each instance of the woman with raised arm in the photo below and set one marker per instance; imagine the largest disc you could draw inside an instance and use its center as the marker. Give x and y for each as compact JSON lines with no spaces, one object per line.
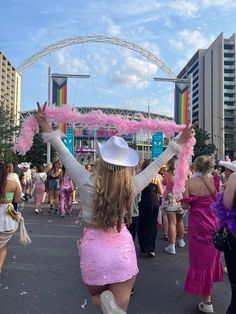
{"x":107,"y":197}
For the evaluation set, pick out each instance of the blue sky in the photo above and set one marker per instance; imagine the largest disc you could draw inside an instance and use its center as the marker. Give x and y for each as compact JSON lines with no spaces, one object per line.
{"x":173,"y":30}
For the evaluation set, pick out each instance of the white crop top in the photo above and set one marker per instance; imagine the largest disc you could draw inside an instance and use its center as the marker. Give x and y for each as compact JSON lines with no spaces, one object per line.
{"x":40,"y":177}
{"x":85,"y":180}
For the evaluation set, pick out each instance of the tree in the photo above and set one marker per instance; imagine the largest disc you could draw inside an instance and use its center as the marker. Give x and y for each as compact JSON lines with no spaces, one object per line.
{"x":38,"y":152}
{"x":202,"y":147}
{"x":8,"y":131}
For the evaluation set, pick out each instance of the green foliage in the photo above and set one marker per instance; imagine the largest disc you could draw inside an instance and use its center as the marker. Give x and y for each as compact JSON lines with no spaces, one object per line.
{"x":37,"y":155}
{"x":8,"y":132}
{"x":202,"y":146}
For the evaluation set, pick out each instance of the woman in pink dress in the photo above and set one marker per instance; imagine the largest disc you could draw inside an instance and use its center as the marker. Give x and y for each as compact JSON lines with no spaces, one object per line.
{"x":173,"y":209}
{"x":205,"y":261}
{"x":66,"y":189}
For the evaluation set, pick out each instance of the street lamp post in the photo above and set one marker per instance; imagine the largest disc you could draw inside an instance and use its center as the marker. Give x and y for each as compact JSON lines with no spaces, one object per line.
{"x":58,"y":75}
{"x":176,"y":80}
{"x":183,"y":82}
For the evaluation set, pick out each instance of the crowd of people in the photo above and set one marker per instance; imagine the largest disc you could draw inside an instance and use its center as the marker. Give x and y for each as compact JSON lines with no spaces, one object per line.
{"x":42,"y":184}
{"x":122,"y":197}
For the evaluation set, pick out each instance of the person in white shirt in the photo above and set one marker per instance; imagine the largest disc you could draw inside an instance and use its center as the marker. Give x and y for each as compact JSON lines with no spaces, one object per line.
{"x":107,"y":197}
{"x":39,"y":179}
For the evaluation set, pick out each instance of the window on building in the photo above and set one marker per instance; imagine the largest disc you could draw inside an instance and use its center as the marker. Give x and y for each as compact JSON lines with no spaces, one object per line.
{"x":226,"y":62}
{"x":228,"y":70}
{"x":229,"y":46}
{"x":195,"y":79}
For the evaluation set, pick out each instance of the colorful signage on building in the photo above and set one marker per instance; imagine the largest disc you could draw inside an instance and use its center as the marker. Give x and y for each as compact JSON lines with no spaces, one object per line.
{"x":157,"y":144}
{"x":84,"y":150}
{"x":100,"y":133}
{"x":68,"y":140}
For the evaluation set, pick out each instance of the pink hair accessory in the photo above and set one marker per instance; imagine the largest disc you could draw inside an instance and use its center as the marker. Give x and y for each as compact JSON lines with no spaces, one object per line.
{"x":96,"y":119}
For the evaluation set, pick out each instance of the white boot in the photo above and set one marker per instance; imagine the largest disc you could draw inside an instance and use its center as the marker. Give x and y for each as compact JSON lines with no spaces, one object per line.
{"x":205,"y":307}
{"x":108,"y":303}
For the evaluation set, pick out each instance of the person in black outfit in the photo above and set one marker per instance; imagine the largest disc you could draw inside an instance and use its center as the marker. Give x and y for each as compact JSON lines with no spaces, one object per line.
{"x":228,"y":217}
{"x":230,"y":261}
{"x":148,"y":212}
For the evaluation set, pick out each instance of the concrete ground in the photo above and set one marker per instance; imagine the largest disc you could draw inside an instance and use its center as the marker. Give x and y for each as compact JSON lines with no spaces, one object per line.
{"x":45,"y":277}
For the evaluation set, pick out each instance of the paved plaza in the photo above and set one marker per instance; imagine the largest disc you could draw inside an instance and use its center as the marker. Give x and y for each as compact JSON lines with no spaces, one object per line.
{"x":44,"y":277}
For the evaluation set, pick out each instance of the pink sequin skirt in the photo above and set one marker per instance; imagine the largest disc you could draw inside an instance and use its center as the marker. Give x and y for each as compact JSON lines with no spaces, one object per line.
{"x":107,"y":256}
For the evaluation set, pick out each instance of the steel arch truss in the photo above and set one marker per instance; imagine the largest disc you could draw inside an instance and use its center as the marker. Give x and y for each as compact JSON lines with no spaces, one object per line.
{"x":96,"y":38}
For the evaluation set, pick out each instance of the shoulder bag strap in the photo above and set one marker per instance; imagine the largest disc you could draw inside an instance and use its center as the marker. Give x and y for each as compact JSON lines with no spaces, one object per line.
{"x":211,"y":194}
{"x":40,"y":177}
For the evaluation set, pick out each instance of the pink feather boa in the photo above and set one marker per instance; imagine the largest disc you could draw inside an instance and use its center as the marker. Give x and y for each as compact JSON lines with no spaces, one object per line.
{"x":96,"y":119}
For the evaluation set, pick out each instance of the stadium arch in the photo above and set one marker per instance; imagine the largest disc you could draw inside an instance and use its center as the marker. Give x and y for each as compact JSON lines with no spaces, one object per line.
{"x":99,"y":39}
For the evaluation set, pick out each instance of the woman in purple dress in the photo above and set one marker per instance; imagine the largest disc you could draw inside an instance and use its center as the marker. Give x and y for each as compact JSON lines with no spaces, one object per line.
{"x":226,"y":212}
{"x":205,"y":261}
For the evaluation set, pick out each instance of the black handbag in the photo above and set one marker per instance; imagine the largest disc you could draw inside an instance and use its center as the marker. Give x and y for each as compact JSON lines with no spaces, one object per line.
{"x":221,"y":239}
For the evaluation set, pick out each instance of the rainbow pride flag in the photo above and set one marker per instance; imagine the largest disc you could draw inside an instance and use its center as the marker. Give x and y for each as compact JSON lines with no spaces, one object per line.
{"x":59,"y":96}
{"x":181,"y":112}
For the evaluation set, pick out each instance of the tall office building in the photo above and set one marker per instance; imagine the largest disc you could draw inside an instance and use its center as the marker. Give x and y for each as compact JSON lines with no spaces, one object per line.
{"x":212,"y":94}
{"x":10,"y":86}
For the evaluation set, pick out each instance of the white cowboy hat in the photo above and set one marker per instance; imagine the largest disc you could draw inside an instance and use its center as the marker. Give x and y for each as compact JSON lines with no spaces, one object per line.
{"x":25,"y":164}
{"x":116,"y":151}
{"x":228,"y":164}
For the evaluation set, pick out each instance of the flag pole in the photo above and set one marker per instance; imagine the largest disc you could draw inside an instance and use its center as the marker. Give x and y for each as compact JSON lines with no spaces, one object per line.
{"x":49,"y":103}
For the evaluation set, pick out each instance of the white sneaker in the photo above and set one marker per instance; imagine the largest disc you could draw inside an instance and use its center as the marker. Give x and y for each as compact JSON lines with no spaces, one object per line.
{"x":205,"y":307}
{"x":169,"y":249}
{"x":36,"y":211}
{"x":108,"y":303}
{"x":181,"y":243}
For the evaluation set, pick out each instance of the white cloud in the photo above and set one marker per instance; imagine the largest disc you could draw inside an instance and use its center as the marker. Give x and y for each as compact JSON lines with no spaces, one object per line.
{"x":139,"y":7}
{"x":187,"y":42}
{"x":168,"y":22}
{"x":226,"y":4}
{"x":134,"y":73}
{"x":104,"y":91}
{"x":69,"y":64}
{"x":154,"y":48}
{"x":112,"y":28}
{"x":184,"y":8}
{"x":99,"y":60}
{"x":162,"y":105}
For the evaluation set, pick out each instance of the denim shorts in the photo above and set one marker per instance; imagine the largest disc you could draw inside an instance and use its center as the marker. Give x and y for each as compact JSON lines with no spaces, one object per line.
{"x":53,"y":184}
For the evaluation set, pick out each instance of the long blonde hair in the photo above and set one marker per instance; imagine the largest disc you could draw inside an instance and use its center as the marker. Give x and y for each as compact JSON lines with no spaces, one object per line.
{"x":204,"y":164}
{"x":171,"y":165}
{"x":114,"y":197}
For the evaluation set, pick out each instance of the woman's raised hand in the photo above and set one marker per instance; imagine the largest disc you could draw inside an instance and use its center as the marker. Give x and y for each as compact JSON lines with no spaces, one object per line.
{"x":40,"y":115}
{"x":187,"y":133}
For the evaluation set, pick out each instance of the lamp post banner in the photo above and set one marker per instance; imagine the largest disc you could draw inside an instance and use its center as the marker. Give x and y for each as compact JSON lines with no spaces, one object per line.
{"x":181,"y":112}
{"x":59,"y":96}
